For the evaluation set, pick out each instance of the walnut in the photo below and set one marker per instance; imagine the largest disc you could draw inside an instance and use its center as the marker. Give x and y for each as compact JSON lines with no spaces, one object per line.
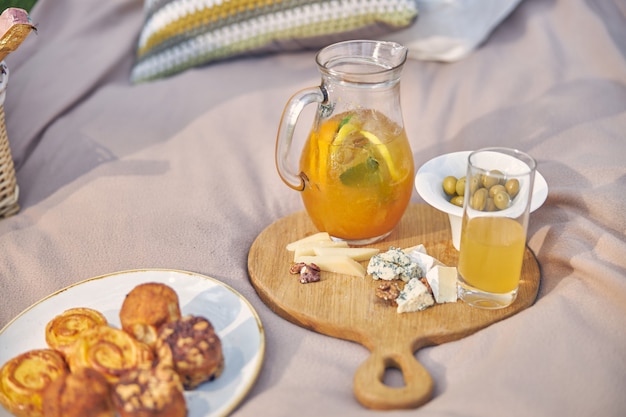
{"x":295,"y":268}
{"x":388,"y":291}
{"x":427,"y":285}
{"x":309,"y":273}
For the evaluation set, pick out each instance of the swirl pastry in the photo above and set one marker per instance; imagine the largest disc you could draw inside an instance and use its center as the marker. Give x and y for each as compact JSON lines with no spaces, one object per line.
{"x":84,"y":393}
{"x":191,"y":346}
{"x":150,"y":392}
{"x":24,"y":378}
{"x":109,"y":351}
{"x":63,"y":330}
{"x":146,"y":308}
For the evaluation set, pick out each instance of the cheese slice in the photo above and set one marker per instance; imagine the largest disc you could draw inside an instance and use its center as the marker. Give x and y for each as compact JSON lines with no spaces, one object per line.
{"x":442,"y":280}
{"x":317,"y":237}
{"x":340,"y":264}
{"x":308,"y":248}
{"x":358,"y":254}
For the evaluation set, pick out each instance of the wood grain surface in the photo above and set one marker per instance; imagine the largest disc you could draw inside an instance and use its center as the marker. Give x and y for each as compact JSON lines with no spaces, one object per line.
{"x":346,"y":307}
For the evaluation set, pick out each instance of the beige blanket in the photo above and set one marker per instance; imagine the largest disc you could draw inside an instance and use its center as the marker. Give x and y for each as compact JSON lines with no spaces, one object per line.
{"x":180,"y":174}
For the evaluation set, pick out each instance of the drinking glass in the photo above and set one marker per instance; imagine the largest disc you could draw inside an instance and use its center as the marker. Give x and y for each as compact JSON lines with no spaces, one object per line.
{"x":499,"y":186}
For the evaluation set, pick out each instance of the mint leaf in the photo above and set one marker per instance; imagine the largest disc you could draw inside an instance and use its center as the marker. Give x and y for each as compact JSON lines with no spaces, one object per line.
{"x":364,"y":174}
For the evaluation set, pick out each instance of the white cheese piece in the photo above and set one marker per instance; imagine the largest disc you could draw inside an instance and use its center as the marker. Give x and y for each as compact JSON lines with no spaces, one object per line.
{"x":417,"y":248}
{"x":414,"y":297}
{"x":425,"y":261}
{"x":393,"y":264}
{"x":340,"y":264}
{"x":308,"y":248}
{"x":358,"y":254}
{"x":442,"y":280}
{"x":321,"y":236}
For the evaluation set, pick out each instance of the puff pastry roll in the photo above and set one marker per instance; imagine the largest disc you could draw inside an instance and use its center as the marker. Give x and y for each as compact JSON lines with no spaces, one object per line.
{"x":110,"y":351}
{"x":24,"y":378}
{"x":63,"y":330}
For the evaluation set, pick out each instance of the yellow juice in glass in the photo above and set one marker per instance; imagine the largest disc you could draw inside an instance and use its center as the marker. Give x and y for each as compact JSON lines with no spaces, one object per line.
{"x":359,"y":171}
{"x":492,"y":251}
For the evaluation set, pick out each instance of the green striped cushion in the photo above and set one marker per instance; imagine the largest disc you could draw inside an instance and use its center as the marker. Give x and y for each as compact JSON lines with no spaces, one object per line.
{"x":180,"y":34}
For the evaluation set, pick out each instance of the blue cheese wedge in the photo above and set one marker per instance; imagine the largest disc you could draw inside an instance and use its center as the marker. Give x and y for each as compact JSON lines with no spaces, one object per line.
{"x":394,"y":264}
{"x":442,"y":280}
{"x":414,"y":297}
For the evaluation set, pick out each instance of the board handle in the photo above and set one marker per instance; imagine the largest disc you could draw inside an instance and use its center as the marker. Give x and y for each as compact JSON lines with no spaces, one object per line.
{"x":371,"y":391}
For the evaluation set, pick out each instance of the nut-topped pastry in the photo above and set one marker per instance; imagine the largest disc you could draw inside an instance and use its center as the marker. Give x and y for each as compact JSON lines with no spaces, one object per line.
{"x":146,"y":308}
{"x":24,"y":378}
{"x":150,"y":392}
{"x":84,"y":393}
{"x":191,"y":346}
{"x":63,"y":330}
{"x":110,"y":351}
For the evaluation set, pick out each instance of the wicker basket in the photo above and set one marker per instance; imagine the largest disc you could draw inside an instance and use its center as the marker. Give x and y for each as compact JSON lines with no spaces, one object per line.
{"x":9,"y":190}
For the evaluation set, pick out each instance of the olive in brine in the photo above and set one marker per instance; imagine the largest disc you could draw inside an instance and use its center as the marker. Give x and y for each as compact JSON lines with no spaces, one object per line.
{"x":449,"y":185}
{"x":502,"y":200}
{"x":496,"y":189}
{"x":512,"y":187}
{"x":479,"y":199}
{"x":492,"y":178}
{"x":474,"y":184}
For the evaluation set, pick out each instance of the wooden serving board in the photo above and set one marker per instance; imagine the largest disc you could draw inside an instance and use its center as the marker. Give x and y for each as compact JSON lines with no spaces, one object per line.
{"x":346,"y":307}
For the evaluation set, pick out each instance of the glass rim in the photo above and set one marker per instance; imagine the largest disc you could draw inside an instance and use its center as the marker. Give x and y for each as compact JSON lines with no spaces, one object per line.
{"x":522,"y":156}
{"x":384,"y":57}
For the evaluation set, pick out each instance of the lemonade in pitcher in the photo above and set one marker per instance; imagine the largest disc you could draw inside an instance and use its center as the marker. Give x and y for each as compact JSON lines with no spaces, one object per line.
{"x":355,"y":173}
{"x":359,"y":175}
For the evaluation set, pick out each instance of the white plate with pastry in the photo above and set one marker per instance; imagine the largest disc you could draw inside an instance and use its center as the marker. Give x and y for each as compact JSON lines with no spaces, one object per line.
{"x":234,"y":319}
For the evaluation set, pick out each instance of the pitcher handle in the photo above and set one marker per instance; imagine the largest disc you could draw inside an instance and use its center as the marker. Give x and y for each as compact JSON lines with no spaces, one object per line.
{"x":286,"y":129}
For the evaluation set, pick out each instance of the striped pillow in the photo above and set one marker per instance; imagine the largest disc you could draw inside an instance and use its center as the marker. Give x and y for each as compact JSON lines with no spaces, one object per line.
{"x":180,"y":34}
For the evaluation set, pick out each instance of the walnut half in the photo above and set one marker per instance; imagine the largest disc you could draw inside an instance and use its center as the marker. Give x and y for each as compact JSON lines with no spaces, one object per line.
{"x":388,"y":291}
{"x":308,"y":272}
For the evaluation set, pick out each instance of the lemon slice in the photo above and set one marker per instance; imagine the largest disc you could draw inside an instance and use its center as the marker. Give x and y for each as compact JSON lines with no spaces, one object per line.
{"x":344,"y":132}
{"x":384,"y":152}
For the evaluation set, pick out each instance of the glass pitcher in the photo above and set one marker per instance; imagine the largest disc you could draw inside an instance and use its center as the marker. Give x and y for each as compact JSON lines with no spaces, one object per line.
{"x":356,"y":167}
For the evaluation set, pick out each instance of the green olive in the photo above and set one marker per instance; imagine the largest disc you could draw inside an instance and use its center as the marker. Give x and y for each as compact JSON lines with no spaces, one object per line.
{"x":496,"y":189}
{"x":490,"y":206}
{"x":474,"y":184}
{"x":479,"y":199}
{"x":502,"y":200}
{"x":460,"y":186}
{"x":492,"y":178}
{"x":512,"y":187}
{"x":449,"y":185}
{"x":457,"y":200}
